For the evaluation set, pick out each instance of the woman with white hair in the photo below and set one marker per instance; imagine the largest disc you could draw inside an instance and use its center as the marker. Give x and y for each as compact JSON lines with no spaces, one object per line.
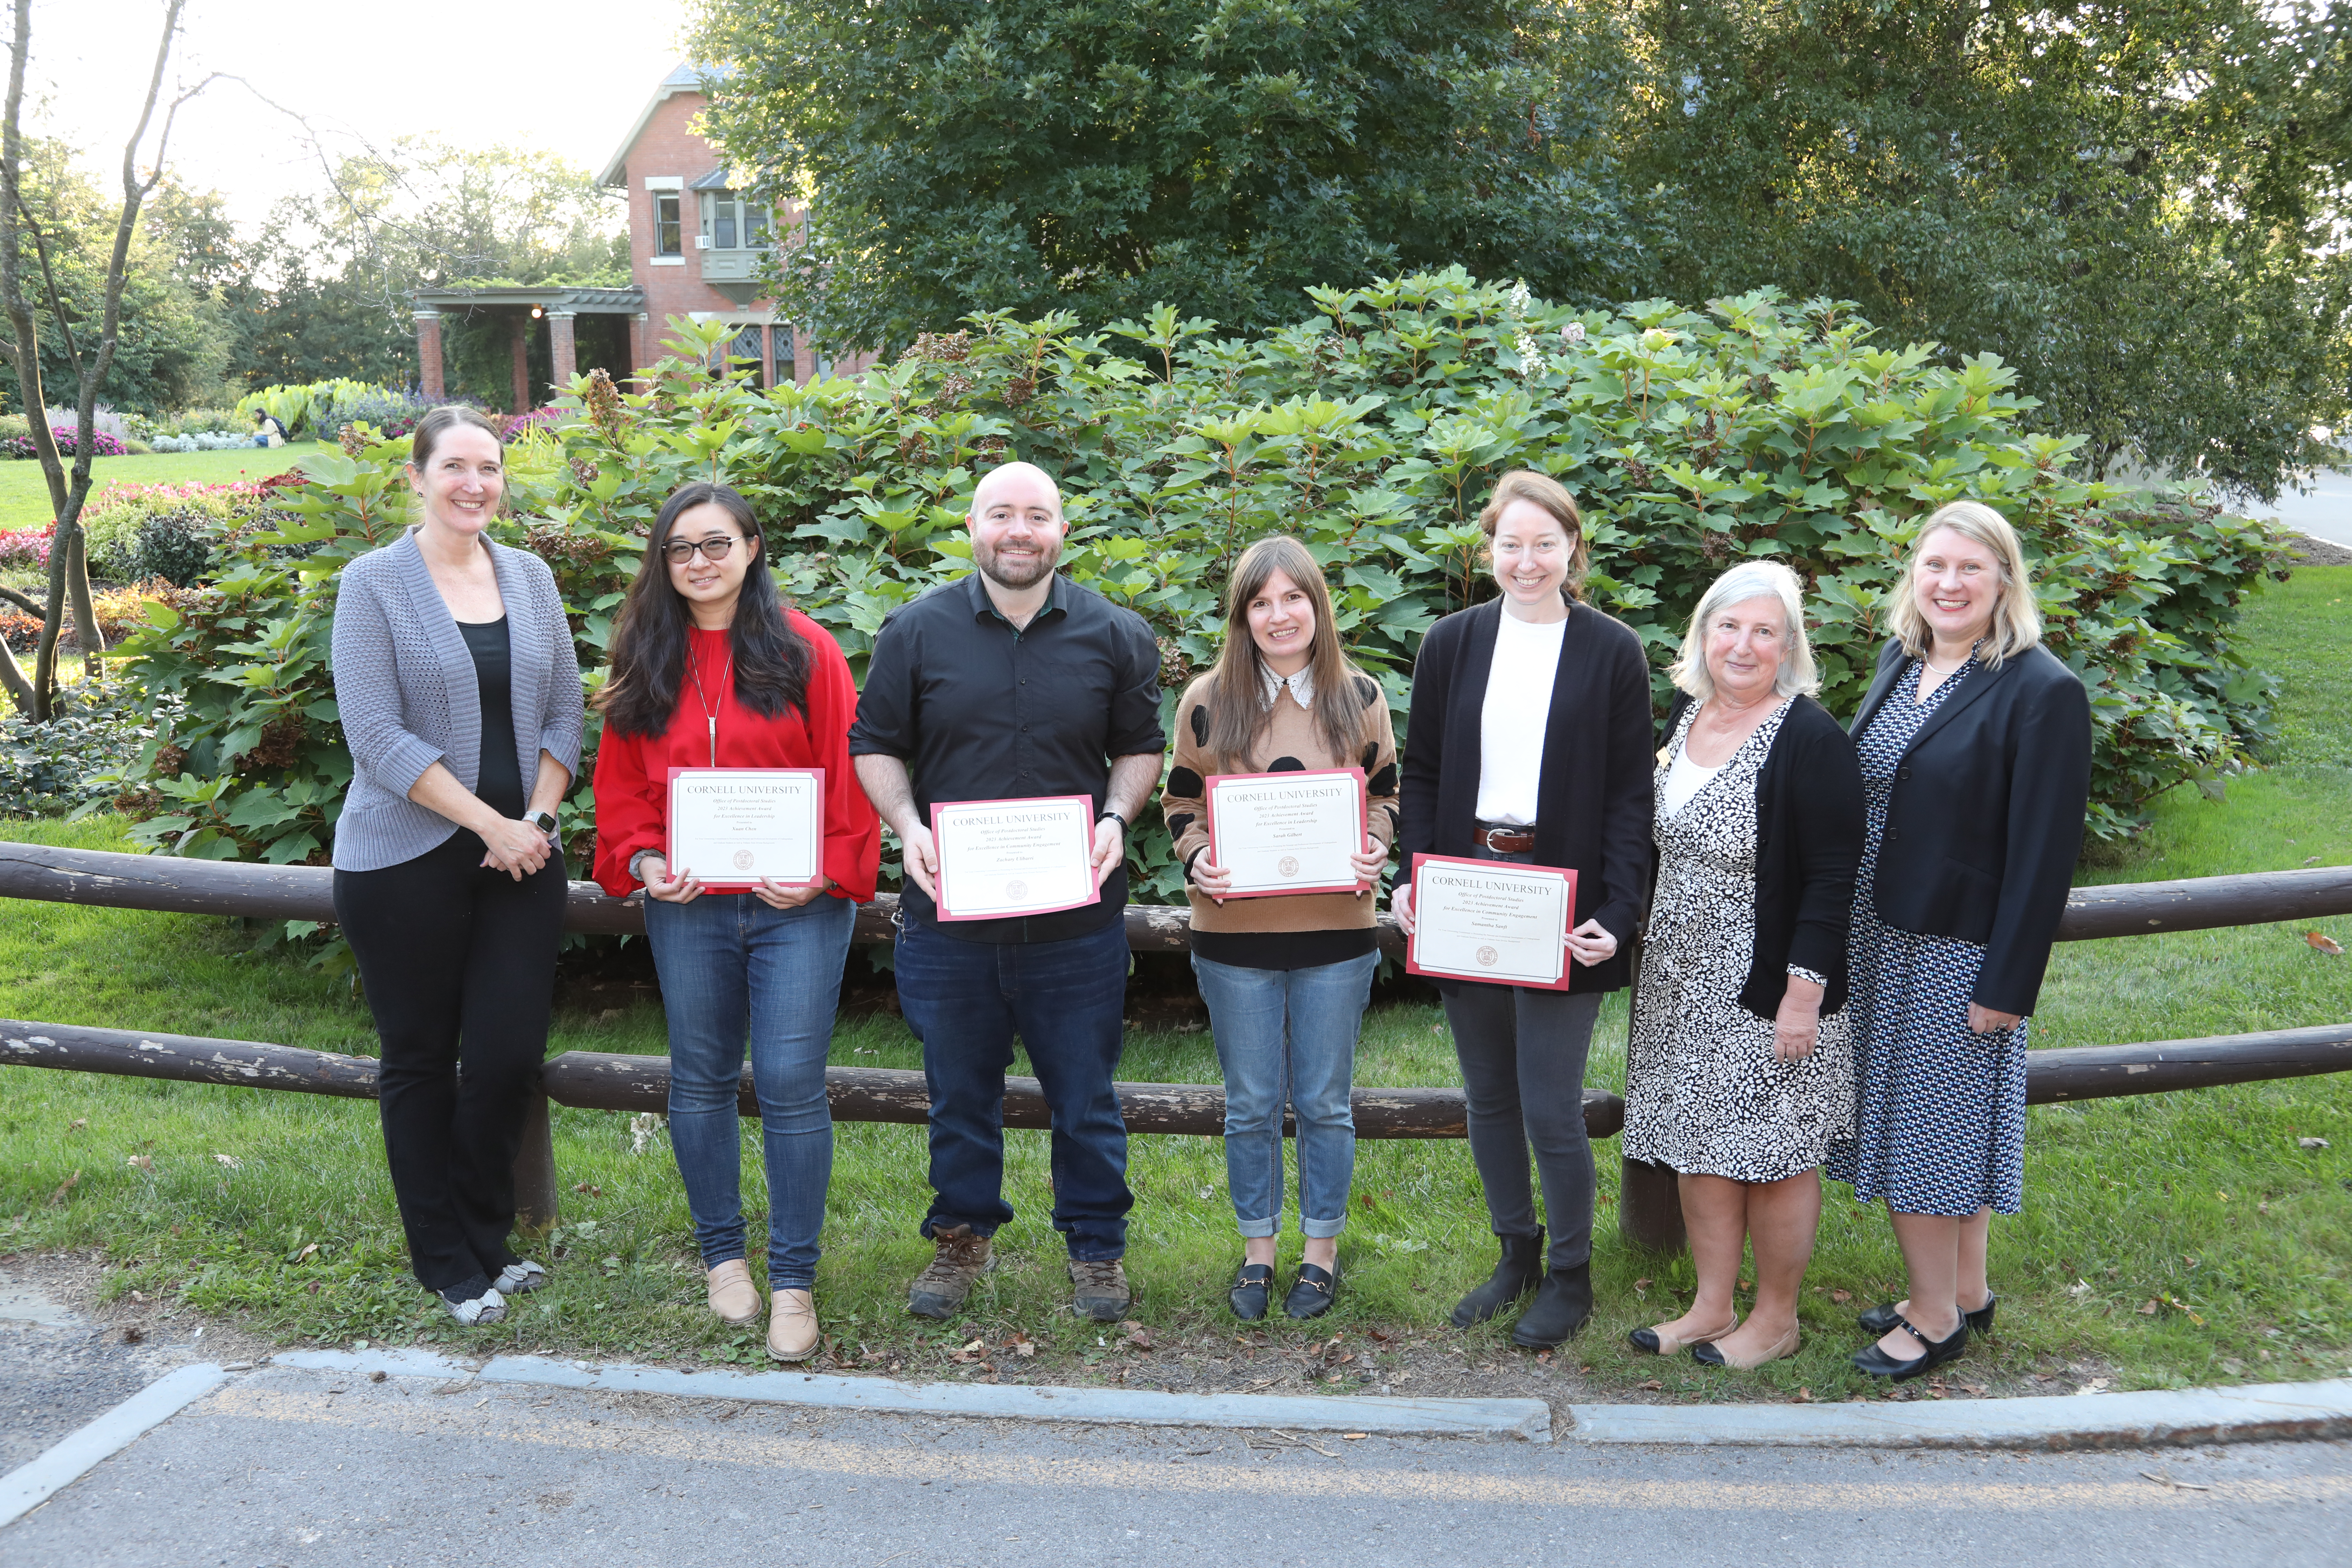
{"x":1741,"y":1072}
{"x":1976,"y":758}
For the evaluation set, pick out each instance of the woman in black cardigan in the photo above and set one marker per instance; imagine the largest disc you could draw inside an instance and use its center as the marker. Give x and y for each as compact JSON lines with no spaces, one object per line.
{"x":1741,"y":1071}
{"x":1976,"y":758}
{"x":1530,"y":742}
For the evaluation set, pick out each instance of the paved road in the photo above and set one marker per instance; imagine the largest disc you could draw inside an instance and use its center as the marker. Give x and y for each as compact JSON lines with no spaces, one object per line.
{"x":299,"y":1467}
{"x":2325,"y":513}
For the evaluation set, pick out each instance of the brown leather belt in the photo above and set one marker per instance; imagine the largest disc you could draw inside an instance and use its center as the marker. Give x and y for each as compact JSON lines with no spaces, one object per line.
{"x":1507,"y":840}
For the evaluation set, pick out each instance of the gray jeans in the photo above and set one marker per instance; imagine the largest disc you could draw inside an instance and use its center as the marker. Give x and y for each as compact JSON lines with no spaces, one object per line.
{"x":1522,"y":1053}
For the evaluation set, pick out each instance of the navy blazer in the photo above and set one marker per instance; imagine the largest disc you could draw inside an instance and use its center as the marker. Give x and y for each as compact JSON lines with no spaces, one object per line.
{"x":1984,"y":820}
{"x":1594,"y":796}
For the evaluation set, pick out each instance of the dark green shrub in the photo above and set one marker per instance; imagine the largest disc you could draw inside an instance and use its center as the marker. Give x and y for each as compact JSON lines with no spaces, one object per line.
{"x":175,"y":545}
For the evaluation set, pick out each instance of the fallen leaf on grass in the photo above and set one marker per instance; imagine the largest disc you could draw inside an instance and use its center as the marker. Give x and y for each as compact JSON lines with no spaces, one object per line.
{"x":593,"y":1191}
{"x":1653,"y":1385}
{"x":1804,"y":1397}
{"x":1024,"y":1348}
{"x":231,"y":1161}
{"x":2311,"y":1142}
{"x":133,"y":1334}
{"x":78,"y":1123}
{"x":308,"y":1252}
{"x":66,"y":1186}
{"x":2325,"y":944}
{"x":2147,"y":1309}
{"x":142,"y":1162}
{"x":1641,"y":1284}
{"x":1840,"y":1297}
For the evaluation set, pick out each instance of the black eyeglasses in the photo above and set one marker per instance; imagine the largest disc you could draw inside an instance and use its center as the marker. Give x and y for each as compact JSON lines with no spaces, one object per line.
{"x":678,"y":551}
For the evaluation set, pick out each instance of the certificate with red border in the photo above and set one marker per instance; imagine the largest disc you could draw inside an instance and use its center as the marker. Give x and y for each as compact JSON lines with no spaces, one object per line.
{"x":1494,"y":920}
{"x":1288,"y":832}
{"x":735,"y":828}
{"x":1003,"y":858}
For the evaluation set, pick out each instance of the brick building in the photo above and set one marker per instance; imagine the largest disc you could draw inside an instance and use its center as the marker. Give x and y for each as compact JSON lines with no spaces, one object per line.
{"x":696,"y":240}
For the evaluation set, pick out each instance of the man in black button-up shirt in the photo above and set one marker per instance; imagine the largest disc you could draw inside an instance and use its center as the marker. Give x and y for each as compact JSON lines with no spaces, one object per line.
{"x":1013,"y":683}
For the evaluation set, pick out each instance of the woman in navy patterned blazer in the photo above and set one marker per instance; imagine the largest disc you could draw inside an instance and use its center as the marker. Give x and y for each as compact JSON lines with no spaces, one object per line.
{"x":460,"y":699}
{"x":1975,"y":763}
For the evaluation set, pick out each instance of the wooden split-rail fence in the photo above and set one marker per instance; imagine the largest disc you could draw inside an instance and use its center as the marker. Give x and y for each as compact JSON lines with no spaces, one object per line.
{"x":1649,"y":1211}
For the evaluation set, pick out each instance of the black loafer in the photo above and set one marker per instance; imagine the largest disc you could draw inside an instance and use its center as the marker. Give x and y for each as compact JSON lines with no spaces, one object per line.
{"x":1878,"y":1320}
{"x":1878,"y":1363}
{"x":1251,"y":1289}
{"x":1312,"y":1296}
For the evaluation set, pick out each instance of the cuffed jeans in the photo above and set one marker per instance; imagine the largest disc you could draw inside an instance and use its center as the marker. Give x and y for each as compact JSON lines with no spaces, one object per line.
{"x":1522,"y":1053}
{"x":734,"y":969}
{"x":965,"y":1001}
{"x":1288,"y":1036}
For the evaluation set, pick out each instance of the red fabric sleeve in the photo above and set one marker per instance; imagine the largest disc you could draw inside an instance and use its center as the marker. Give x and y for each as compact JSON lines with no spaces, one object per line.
{"x":853,"y":833}
{"x":632,"y":810}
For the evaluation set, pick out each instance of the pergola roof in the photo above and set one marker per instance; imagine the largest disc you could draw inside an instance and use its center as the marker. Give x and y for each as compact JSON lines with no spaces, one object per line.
{"x":553,"y":297}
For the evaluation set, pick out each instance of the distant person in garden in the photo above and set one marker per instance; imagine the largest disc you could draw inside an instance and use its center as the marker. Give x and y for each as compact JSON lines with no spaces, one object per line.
{"x":268,"y":430}
{"x":1015,"y":683}
{"x":460,"y":698}
{"x":1741,"y":1072}
{"x":1976,"y":760}
{"x":1530,"y":742}
{"x":710,"y":669}
{"x":1285,"y":977}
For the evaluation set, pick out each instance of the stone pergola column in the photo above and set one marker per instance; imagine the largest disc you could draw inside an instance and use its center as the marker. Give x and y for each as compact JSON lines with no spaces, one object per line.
{"x":563,"y":347}
{"x":428,"y":355}
{"x":521,"y":341}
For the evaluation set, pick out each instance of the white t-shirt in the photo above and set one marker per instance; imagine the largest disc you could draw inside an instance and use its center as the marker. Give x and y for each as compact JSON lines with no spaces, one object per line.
{"x":1511,"y":723}
{"x":1683,"y":780}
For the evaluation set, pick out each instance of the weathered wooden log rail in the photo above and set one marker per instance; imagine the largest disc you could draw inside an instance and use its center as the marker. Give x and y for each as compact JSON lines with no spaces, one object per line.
{"x":166,"y":883}
{"x":1649,"y":1211}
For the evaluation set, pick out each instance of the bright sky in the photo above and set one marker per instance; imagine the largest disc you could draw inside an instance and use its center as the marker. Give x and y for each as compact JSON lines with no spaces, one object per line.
{"x":571,"y":78}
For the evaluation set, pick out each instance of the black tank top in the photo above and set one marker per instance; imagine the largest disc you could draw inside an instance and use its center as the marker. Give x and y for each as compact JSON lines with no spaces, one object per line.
{"x":500,"y":783}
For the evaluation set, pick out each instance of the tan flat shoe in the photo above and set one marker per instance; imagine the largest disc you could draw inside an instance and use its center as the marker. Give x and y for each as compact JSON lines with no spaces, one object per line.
{"x":1780,"y":1349}
{"x":1657,"y":1341}
{"x":792,"y":1325}
{"x":733,"y":1298}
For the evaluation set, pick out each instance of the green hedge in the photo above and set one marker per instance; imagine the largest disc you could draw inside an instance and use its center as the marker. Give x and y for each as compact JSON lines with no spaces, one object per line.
{"x":1373,"y":430}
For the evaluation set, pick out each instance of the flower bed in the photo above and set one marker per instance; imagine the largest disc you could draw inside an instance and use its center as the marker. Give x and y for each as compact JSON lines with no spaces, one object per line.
{"x":200,"y":441}
{"x":102,"y":444}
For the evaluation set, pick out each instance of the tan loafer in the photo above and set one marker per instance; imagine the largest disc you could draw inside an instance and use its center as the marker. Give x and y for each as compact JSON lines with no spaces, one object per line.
{"x":1658,"y":1342}
{"x":1711,"y":1354}
{"x":792,"y":1325}
{"x":734,"y":1300}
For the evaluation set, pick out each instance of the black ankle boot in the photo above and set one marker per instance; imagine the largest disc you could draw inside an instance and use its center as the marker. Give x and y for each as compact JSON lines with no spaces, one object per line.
{"x":1559,"y":1309}
{"x":1520,"y":1271}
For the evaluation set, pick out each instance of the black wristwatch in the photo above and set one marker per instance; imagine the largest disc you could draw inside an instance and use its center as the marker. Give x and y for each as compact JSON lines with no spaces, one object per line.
{"x":1124,"y":826}
{"x":542,"y":820}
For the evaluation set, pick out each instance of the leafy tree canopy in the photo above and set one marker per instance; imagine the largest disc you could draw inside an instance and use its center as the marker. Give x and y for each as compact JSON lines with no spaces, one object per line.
{"x":1220,"y":155}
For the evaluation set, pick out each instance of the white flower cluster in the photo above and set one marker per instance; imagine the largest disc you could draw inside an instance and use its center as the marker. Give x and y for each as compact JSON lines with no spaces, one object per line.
{"x":1530,"y":356}
{"x":200,"y":441}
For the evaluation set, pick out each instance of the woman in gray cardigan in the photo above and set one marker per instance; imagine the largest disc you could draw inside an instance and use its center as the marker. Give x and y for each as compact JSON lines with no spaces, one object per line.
{"x":459,"y":691}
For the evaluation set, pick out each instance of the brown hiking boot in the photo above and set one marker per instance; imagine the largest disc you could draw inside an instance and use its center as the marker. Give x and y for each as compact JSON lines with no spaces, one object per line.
{"x":961,"y":1258}
{"x":1098,"y":1290}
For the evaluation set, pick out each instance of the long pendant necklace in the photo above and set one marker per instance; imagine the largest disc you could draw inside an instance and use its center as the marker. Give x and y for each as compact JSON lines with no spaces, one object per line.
{"x":710,"y":714}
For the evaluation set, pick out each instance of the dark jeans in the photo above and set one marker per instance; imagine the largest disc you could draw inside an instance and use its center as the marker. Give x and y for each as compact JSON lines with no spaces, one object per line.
{"x":460,"y":965}
{"x":1522,"y":1053}
{"x":965,"y":1001}
{"x":734,"y":970}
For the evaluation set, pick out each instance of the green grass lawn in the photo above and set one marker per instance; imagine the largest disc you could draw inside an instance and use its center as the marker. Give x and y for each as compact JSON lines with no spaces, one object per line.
{"x":25,"y":494}
{"x":2202,"y":1203}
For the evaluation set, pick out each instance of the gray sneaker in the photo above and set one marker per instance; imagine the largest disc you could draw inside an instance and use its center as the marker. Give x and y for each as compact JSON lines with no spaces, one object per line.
{"x":938,"y":1290}
{"x":1098,"y":1290}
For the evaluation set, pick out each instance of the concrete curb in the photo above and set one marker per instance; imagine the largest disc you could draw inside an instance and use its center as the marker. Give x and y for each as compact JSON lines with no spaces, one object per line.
{"x":1526,"y":1418}
{"x":30,"y":1485}
{"x":2245,"y":1413}
{"x":2254,"y":1412}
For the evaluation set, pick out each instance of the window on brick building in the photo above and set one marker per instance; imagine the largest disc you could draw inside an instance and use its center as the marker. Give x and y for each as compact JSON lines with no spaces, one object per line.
{"x":731,"y":222}
{"x":669,"y":237}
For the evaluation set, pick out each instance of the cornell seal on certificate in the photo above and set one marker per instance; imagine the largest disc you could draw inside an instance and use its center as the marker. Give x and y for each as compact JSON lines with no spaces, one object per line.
{"x":736,"y":827}
{"x":1288,"y":832}
{"x":1002,"y":859}
{"x":1494,"y":920}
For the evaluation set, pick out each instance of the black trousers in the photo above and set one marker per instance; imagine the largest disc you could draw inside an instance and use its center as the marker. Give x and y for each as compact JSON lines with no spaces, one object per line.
{"x":460,"y":965}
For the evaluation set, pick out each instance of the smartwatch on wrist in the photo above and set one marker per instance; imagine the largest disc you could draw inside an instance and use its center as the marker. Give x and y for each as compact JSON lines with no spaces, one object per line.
{"x":1124,"y":826}
{"x":542,"y":820}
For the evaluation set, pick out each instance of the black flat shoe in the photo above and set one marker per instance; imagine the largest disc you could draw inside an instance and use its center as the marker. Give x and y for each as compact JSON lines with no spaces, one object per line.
{"x":1315,"y":1291}
{"x":1251,"y":1288}
{"x":1878,"y":1363}
{"x":1878,"y":1320}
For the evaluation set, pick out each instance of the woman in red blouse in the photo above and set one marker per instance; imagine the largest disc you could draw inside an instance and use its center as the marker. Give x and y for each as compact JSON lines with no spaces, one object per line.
{"x":709,"y":670}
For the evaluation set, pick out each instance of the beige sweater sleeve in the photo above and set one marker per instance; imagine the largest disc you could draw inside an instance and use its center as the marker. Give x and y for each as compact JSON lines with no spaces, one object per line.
{"x":1183,"y":803}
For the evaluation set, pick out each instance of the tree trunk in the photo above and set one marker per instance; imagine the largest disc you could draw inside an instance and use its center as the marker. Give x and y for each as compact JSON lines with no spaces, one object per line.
{"x":85,"y":613}
{"x":12,"y":676}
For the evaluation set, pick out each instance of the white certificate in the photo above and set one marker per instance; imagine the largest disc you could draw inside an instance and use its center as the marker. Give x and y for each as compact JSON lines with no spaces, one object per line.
{"x":999,"y":858}
{"x":735,"y":828}
{"x":1495,"y":921}
{"x":1288,"y":832}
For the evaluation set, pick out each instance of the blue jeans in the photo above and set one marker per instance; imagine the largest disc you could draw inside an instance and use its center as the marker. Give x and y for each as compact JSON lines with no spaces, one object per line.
{"x":965,"y":1001}
{"x":1288,"y":1035}
{"x":732,"y":969}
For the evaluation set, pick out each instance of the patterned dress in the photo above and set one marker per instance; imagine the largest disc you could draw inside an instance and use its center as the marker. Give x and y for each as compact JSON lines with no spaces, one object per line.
{"x":1939,"y":1126}
{"x":1704,"y":1094}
